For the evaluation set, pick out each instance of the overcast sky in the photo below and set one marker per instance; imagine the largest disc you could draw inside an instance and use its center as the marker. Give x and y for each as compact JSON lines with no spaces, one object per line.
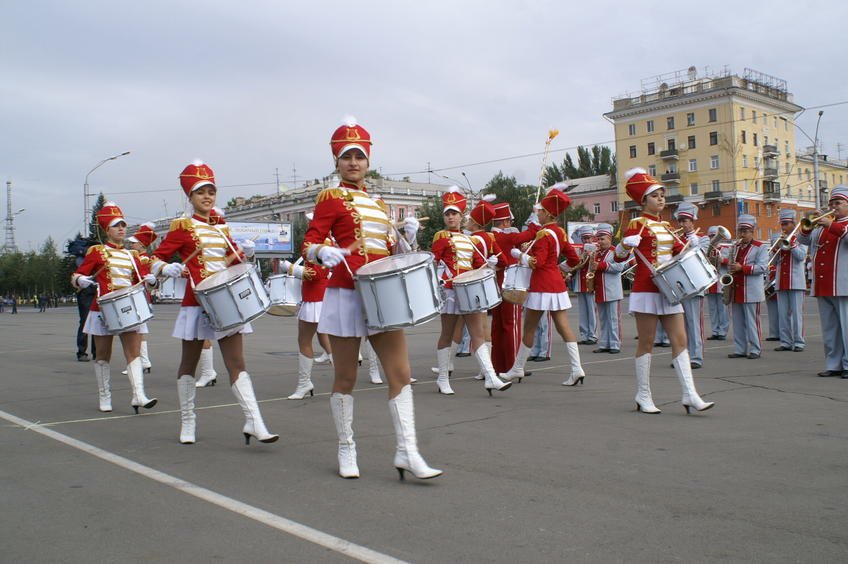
{"x":252,"y":86}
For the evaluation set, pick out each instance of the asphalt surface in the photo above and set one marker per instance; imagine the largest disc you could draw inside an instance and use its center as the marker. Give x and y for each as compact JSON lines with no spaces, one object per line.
{"x":539,"y":473}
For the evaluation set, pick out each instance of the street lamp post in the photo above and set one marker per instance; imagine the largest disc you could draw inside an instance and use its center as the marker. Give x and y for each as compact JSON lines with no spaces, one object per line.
{"x":816,"y":162}
{"x":85,"y":218}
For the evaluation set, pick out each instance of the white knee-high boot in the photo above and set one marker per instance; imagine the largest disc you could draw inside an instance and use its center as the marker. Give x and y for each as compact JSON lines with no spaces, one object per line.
{"x":407,"y":457}
{"x":186,"y":391}
{"x":484,"y":359}
{"x":341,"y":406}
{"x":104,"y":384}
{"x":145,"y":358}
{"x":435,"y":369}
{"x":304,"y":378}
{"x":691,"y":399}
{"x":373,"y":363}
{"x":517,"y":370}
{"x":136,"y":376}
{"x":443,"y":380}
{"x":206,"y":369}
{"x":254,"y":426}
{"x":577,"y":373}
{"x":644,"y":401}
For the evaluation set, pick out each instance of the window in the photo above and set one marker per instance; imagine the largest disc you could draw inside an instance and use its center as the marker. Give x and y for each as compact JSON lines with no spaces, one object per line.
{"x":745,"y":184}
{"x":787,"y":169}
{"x":690,"y":119}
{"x":716,"y":209}
{"x":672,"y":145}
{"x":807,"y":172}
{"x":765,"y":139}
{"x":690,"y":142}
{"x":693,"y":189}
{"x":754,"y":115}
{"x":785,"y":124}
{"x":652,"y":170}
{"x":775,"y":122}
{"x":744,"y":137}
{"x":631,"y":129}
{"x":651,"y":148}
{"x":693,"y":165}
{"x":669,"y":122}
{"x":716,"y":185}
{"x":757,"y":163}
{"x":672,"y":167}
{"x":650,"y":125}
{"x":768,"y":210}
{"x":799,"y":174}
{"x":742,"y":114}
{"x":786,"y":146}
{"x":713,"y":137}
{"x":401,"y":213}
{"x":614,"y":206}
{"x":597,"y":207}
{"x":744,"y":161}
{"x":714,"y":162}
{"x":632,"y":151}
{"x":713,"y":115}
{"x":755,"y":140}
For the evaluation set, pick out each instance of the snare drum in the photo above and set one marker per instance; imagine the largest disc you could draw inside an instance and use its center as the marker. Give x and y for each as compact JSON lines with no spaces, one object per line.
{"x":285,"y":294}
{"x":125,"y":309}
{"x":476,"y":290}
{"x":233,"y":296}
{"x":686,"y":275}
{"x":516,"y":283}
{"x":399,"y":291}
{"x":172,"y":289}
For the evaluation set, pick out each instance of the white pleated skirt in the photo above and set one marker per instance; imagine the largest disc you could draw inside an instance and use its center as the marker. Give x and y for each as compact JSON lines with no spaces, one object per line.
{"x":548,"y":301}
{"x":451,"y":305}
{"x":652,"y":302}
{"x":309,"y":312}
{"x":193,"y":324}
{"x":94,"y":325}
{"x":342,"y":315}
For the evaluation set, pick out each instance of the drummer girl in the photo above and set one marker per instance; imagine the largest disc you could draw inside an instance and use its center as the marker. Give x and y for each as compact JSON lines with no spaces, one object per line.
{"x":204,"y":244}
{"x":654,"y":245}
{"x":456,"y":253}
{"x":111,"y":267}
{"x":140,"y":241}
{"x":547,"y":286}
{"x":364,"y":234}
{"x":313,"y":286}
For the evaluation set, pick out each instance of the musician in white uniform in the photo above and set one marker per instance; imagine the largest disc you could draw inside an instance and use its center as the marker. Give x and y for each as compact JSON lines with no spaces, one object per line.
{"x":693,"y":306}
{"x":748,"y":265}
{"x":719,"y":315}
{"x":606,"y":273}
{"x":791,"y":286}
{"x":771,"y":296}
{"x":587,"y":329}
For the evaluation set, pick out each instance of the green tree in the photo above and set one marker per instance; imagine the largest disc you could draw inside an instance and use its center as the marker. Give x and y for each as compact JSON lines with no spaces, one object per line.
{"x":94,"y":231}
{"x":299,"y":226}
{"x":590,"y":162}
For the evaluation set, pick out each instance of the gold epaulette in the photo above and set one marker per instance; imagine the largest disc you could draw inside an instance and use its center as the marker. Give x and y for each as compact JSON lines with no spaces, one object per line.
{"x":544,"y":231}
{"x":183,"y":223}
{"x":93,"y":248}
{"x":328,"y":193}
{"x":443,"y":234}
{"x":636,"y":222}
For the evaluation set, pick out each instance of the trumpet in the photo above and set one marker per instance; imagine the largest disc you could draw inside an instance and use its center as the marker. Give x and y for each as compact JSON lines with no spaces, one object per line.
{"x":807,"y":223}
{"x":629,"y":274}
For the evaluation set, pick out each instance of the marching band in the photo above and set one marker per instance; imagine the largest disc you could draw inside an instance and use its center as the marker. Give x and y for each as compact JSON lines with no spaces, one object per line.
{"x":351,"y":236}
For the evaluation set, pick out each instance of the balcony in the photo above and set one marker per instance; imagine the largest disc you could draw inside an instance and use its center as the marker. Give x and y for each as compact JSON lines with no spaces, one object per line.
{"x":770,"y":151}
{"x":631,"y":205}
{"x":674,"y":198}
{"x":772,"y":196}
{"x":671,"y":177}
{"x":715,"y":195}
{"x":669,"y":154}
{"x":770,"y":172}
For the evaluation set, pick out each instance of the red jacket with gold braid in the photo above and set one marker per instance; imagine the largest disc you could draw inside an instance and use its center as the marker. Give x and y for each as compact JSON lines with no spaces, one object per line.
{"x":456,"y":252}
{"x":508,"y":240}
{"x":349,"y":215}
{"x":551,"y":242}
{"x":658,"y":245}
{"x":489,"y":245}
{"x":115,"y":267}
{"x":184,"y":237}
{"x":314,"y":282}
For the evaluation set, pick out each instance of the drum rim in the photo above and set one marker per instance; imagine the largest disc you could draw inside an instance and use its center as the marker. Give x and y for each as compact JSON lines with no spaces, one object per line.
{"x":480,"y":275}
{"x":120,"y":292}
{"x":426,"y":257}
{"x":248,"y":269}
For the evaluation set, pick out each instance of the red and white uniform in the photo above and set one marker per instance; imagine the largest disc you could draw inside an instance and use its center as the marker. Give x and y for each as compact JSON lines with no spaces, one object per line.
{"x":354,"y":220}
{"x":455,"y":253}
{"x":313,"y":285}
{"x":547,"y":286}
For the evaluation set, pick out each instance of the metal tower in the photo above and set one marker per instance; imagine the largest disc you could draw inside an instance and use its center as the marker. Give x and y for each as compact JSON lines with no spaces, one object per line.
{"x":9,"y":246}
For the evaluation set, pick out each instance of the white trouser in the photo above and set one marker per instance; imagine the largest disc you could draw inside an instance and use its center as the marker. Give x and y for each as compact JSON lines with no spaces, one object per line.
{"x":693,"y":316}
{"x":790,"y":308}
{"x":609,"y":325}
{"x":746,"y":327}
{"x":719,"y":318}
{"x":833,"y":312}
{"x":588,"y":327}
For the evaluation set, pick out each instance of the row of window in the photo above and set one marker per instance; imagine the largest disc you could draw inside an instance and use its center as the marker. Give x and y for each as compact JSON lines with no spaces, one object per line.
{"x":671,"y":144}
{"x":712,"y":116}
{"x":693,"y":166}
{"x":765,"y":116}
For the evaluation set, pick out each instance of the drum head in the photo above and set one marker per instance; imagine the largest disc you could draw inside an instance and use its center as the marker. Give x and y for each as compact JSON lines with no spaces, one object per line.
{"x":394,"y":263}
{"x":474,"y":275}
{"x":116,"y":294}
{"x":227,"y":275}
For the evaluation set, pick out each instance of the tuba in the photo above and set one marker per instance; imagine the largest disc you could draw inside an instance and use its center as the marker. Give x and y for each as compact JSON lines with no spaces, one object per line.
{"x":727,"y":280}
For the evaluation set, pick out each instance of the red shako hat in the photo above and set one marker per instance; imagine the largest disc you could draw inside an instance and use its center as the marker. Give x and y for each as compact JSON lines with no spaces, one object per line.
{"x":638,"y":184}
{"x":454,"y":199}
{"x":144,"y":235}
{"x":556,"y":201}
{"x":484,"y":211}
{"x":196,"y":175}
{"x":109,"y":215}
{"x":502,"y":211}
{"x":350,"y":135}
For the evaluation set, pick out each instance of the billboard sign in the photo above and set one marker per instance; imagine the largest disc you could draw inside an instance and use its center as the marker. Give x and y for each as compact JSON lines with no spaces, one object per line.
{"x":270,"y":238}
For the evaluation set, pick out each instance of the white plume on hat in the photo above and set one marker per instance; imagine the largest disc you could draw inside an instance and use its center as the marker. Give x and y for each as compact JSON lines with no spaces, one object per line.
{"x":561,"y":186}
{"x":349,"y":120}
{"x":110,"y":203}
{"x":489,"y":197}
{"x":633,"y":172}
{"x":309,"y":215}
{"x":219,"y":211}
{"x":149,"y":224}
{"x":453,"y":188}
{"x":198,"y":162}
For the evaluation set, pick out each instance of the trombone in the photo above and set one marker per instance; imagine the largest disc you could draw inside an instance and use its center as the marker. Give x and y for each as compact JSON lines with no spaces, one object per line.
{"x":807,"y":223}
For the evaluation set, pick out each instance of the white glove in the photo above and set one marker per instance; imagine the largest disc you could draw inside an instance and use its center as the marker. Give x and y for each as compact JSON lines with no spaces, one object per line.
{"x":286,"y":265}
{"x":248,"y":247}
{"x":410,"y":228}
{"x":331,"y":256}
{"x":150,"y":279}
{"x":297,"y":271}
{"x":173,"y":270}
{"x":522,"y":258}
{"x":631,"y":240}
{"x":492,"y":261}
{"x":516,"y":253}
{"x":85,"y":281}
{"x":534,"y":219}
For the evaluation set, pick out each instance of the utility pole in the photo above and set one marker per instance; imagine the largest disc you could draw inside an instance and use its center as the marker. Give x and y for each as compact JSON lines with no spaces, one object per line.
{"x":294,"y":175}
{"x":277,"y":175}
{"x":9,"y":246}
{"x":816,"y":162}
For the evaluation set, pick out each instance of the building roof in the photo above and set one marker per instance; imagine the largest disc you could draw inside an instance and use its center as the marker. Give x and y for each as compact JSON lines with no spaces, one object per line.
{"x":592,"y":184}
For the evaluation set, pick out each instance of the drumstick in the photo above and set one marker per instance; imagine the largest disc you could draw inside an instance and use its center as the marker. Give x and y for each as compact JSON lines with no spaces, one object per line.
{"x":686,"y":245}
{"x":235,"y":256}
{"x":93,"y":277}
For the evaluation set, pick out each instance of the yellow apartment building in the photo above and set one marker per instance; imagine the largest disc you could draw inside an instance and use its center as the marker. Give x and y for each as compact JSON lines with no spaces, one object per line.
{"x":722,"y":141}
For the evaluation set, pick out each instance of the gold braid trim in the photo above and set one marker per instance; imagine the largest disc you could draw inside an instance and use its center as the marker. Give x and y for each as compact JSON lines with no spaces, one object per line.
{"x":328,"y":193}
